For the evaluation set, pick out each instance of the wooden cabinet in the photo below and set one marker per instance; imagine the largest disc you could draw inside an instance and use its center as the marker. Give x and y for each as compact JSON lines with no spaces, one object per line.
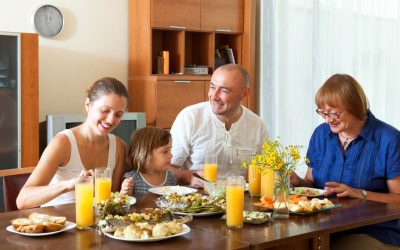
{"x":222,"y":15}
{"x":173,"y":96}
{"x":19,"y":93}
{"x":180,"y":14}
{"x":152,"y":29}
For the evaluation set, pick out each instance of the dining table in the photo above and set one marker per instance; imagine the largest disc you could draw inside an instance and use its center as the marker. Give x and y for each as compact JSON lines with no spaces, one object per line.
{"x":309,"y":231}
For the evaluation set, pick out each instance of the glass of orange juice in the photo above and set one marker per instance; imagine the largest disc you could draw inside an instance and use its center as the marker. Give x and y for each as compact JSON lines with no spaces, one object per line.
{"x":267,"y":184}
{"x":254,"y":178}
{"x":210,"y":167}
{"x":102,"y":184}
{"x":234,"y":201}
{"x":84,"y":202}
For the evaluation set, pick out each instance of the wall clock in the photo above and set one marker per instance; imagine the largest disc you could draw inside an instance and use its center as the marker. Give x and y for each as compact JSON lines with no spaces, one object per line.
{"x":48,"y":21}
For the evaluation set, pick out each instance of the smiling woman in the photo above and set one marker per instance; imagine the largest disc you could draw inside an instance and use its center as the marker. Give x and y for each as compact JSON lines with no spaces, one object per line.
{"x":354,"y":155}
{"x":80,"y":150}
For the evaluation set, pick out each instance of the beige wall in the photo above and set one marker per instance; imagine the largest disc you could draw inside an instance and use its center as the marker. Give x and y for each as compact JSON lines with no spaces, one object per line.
{"x":93,"y":44}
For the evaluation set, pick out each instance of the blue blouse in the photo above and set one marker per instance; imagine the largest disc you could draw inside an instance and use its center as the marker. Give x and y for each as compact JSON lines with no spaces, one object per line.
{"x":370,"y":160}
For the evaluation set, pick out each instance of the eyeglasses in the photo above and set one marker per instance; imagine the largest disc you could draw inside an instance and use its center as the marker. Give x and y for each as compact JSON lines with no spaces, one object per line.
{"x":329,"y":114}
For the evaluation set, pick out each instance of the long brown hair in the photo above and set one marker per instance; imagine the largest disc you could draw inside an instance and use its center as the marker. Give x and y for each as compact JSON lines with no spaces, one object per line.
{"x":141,"y":145}
{"x":342,"y":90}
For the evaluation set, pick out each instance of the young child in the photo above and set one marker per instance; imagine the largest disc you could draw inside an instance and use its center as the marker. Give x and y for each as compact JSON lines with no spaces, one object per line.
{"x":149,"y":156}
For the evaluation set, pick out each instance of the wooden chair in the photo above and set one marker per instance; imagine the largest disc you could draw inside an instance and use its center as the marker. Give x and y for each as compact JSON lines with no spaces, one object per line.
{"x":12,"y":184}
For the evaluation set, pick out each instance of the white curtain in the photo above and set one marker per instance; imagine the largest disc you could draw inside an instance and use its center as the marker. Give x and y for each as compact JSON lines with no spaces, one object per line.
{"x":304,"y":42}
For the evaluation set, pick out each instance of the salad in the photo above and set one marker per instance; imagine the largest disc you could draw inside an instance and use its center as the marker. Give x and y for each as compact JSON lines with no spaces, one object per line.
{"x":119,"y":204}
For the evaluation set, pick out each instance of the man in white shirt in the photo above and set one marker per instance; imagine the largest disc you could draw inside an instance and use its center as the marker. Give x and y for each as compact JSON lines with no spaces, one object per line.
{"x":220,"y":126}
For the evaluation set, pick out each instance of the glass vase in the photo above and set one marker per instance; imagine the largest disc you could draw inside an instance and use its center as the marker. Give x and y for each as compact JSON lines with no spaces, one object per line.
{"x":281,"y":195}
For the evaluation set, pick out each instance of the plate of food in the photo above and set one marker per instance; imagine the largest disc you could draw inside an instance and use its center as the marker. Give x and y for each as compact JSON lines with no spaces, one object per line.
{"x":193,"y":204}
{"x":304,"y":205}
{"x":254,"y":217}
{"x":128,"y":234}
{"x":40,"y":225}
{"x":119,"y":204}
{"x":302,"y":212}
{"x":168,"y":190}
{"x":200,"y":214}
{"x":300,"y":204}
{"x":308,"y":192}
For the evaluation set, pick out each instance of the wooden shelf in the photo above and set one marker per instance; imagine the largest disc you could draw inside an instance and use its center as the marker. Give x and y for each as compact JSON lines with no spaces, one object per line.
{"x":154,"y":27}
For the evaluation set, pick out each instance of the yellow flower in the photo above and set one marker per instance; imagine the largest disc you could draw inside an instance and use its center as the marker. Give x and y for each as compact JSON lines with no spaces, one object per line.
{"x":274,"y":156}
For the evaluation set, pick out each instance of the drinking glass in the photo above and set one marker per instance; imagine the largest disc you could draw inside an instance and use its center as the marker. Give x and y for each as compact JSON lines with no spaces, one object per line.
{"x":267,"y":184}
{"x":210,"y":167}
{"x":234,"y":201}
{"x":254,"y":178}
{"x":84,"y":202}
{"x":102,"y":184}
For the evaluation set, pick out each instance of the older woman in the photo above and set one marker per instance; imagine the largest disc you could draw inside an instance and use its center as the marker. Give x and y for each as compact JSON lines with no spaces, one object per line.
{"x":353,"y":154}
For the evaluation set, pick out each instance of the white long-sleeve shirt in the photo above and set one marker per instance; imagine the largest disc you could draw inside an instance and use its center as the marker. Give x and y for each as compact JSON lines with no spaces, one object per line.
{"x":197,"y":131}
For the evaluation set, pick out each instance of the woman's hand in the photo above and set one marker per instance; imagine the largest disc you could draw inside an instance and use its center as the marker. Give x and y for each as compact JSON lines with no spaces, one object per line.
{"x":295,"y":180}
{"x":70,"y":184}
{"x":342,"y":190}
{"x":127,"y":186}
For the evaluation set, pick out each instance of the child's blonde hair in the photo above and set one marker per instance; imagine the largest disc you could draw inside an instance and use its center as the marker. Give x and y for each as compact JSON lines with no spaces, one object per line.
{"x":141,"y":145}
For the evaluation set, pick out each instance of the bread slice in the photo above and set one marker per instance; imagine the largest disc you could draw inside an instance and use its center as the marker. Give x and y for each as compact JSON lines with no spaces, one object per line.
{"x":51,"y":227}
{"x":20,"y":222}
{"x":38,"y":223}
{"x":37,"y":218}
{"x":37,"y":228}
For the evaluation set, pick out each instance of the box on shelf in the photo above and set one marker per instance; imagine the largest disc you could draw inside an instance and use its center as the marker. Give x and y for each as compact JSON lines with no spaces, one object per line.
{"x":196,"y":70}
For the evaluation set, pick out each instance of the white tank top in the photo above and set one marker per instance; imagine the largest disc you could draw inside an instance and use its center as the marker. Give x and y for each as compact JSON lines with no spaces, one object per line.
{"x":74,"y":168}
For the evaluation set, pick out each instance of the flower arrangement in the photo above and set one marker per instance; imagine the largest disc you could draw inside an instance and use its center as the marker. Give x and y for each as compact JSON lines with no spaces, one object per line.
{"x":282,"y":160}
{"x":276,"y":157}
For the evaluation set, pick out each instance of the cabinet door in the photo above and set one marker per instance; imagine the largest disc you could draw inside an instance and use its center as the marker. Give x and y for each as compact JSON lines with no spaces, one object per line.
{"x":173,"y":96}
{"x":182,"y":14}
{"x":222,"y":15}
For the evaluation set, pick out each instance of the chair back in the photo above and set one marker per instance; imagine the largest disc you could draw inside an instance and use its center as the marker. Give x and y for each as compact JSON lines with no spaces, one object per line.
{"x":12,"y":184}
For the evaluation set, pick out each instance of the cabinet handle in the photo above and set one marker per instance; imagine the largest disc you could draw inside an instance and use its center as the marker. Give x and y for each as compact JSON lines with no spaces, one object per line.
{"x":223,"y":30}
{"x":182,"y":81}
{"x":177,"y":27}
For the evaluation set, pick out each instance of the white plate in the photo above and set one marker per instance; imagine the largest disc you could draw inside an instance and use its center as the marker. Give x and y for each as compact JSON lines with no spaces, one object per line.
{"x":185,"y":230}
{"x":167,"y":190}
{"x":300,"y":191}
{"x":198,"y":214}
{"x":68,"y":225}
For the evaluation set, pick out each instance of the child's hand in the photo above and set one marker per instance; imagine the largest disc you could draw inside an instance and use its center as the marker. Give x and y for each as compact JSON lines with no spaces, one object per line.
{"x":127,"y":186}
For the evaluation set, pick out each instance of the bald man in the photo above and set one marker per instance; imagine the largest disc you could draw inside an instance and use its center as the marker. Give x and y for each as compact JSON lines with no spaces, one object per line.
{"x":221,"y":126}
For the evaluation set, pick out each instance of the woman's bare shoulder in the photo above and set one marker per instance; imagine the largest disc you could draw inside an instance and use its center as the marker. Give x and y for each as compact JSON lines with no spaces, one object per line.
{"x":120,"y":143}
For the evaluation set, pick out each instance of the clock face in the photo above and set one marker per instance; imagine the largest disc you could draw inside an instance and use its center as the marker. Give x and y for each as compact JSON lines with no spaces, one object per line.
{"x":48,"y":20}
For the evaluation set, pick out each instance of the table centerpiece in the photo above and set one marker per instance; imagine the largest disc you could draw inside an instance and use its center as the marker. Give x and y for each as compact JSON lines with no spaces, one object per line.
{"x":282,"y":160}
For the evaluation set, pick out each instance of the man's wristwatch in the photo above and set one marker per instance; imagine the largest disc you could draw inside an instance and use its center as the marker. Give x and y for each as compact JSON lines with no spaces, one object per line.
{"x":364,"y":193}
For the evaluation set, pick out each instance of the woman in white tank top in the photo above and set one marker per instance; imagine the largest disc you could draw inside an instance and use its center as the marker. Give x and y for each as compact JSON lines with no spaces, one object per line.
{"x":79,"y":150}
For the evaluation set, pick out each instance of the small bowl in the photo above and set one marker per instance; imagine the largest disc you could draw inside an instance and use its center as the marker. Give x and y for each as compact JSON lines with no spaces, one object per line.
{"x":215,"y":189}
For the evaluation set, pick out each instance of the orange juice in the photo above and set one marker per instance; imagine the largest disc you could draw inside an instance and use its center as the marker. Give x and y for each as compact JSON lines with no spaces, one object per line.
{"x":210,"y":172}
{"x":84,"y":204}
{"x":254,"y":176}
{"x":234,"y":205}
{"x":102,"y":189}
{"x":267,"y":184}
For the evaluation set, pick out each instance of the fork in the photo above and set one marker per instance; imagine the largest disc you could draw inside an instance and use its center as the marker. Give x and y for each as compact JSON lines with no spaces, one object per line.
{"x":126,"y":175}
